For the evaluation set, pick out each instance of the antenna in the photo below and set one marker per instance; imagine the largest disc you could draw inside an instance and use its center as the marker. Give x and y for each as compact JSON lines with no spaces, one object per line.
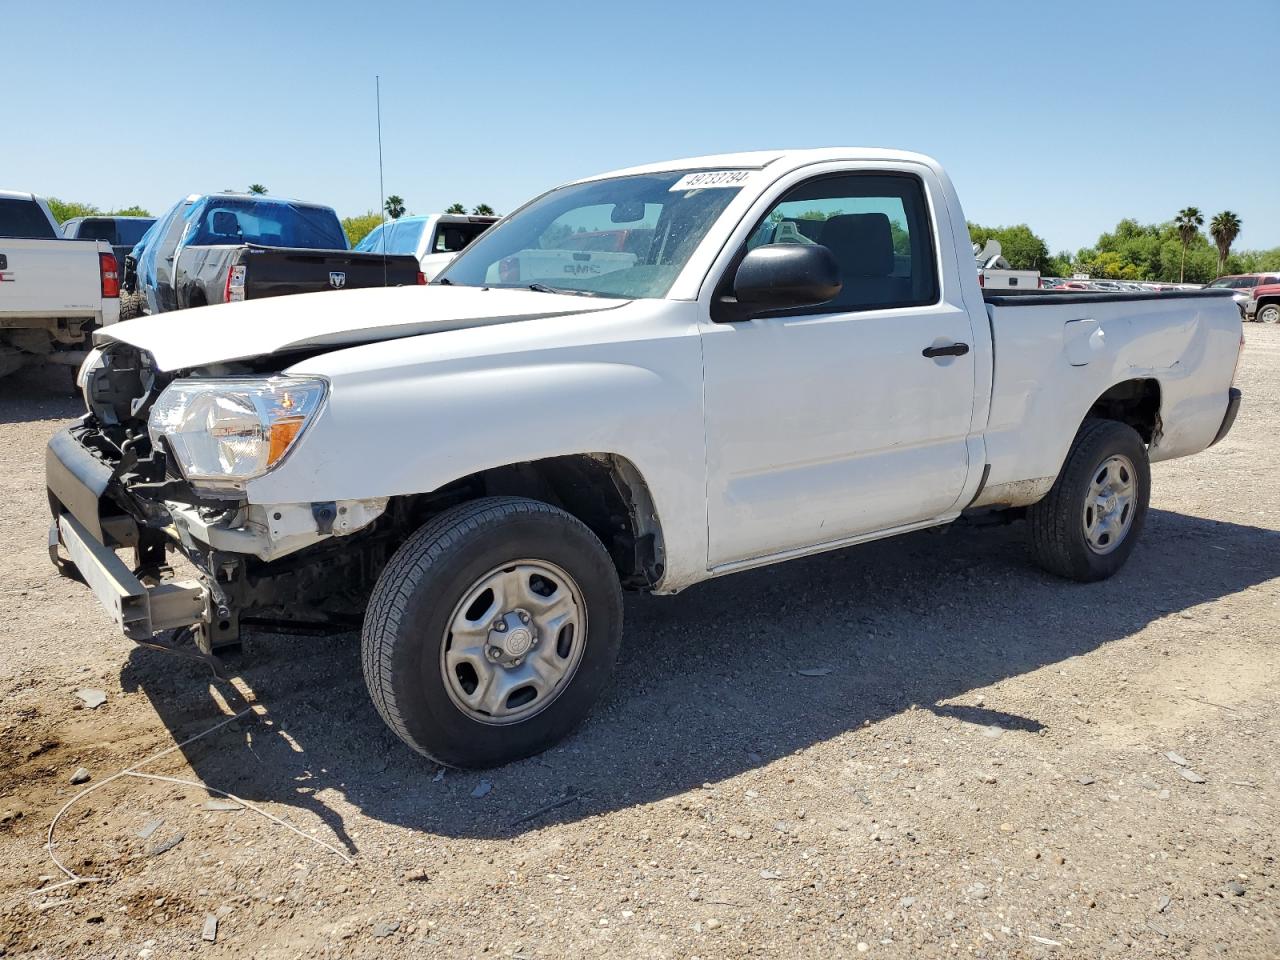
{"x":382,"y":191}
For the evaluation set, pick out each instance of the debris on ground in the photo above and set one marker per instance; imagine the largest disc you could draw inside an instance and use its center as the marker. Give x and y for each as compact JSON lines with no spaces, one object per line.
{"x":92,"y":699}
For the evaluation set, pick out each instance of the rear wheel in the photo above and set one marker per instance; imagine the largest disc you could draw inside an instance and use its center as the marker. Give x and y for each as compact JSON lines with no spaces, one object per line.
{"x":1088,"y":524}
{"x":1269,"y":313}
{"x":492,"y":632}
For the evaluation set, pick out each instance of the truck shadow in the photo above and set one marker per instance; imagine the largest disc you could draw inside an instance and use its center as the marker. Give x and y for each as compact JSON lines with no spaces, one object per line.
{"x":40,"y":392}
{"x":708,"y":683}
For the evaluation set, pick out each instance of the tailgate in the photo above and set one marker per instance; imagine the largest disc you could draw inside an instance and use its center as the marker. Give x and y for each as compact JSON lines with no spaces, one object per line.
{"x":50,"y":278}
{"x":274,"y":272}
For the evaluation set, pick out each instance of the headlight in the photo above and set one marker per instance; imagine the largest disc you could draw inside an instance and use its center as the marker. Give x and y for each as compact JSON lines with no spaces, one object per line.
{"x":225,"y":432}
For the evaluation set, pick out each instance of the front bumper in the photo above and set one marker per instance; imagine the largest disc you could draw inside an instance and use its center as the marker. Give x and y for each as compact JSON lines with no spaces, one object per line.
{"x":88,"y":525}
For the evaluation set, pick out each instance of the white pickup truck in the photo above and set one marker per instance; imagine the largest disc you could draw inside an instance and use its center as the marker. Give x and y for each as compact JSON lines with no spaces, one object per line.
{"x":471,"y":471}
{"x":434,"y":240}
{"x":53,"y":292}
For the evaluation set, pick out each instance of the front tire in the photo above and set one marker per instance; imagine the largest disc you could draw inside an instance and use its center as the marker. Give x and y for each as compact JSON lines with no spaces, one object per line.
{"x":1269,"y":313}
{"x":1087,"y":525}
{"x":492,"y":632}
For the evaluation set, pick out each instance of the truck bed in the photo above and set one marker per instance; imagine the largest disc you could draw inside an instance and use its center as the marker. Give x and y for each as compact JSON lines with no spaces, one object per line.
{"x":1057,"y":353}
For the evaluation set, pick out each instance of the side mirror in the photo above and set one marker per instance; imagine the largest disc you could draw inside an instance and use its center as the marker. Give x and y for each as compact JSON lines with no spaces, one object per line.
{"x":780,"y":275}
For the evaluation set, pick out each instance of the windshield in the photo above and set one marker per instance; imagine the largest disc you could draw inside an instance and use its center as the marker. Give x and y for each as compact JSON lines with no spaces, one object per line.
{"x":269,"y":223}
{"x":624,"y":237}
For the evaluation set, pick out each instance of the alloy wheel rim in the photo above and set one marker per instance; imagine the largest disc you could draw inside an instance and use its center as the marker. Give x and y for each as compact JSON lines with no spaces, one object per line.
{"x":1110,"y":504}
{"x":513,"y":642}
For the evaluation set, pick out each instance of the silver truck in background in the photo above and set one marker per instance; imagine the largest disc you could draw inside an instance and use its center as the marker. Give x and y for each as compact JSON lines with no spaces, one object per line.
{"x":53,"y":292}
{"x":995,"y":272}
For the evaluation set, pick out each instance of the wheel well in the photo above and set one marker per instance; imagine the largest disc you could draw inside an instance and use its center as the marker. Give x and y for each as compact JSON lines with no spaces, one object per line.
{"x":1268,"y":300}
{"x":605,"y":491}
{"x":1135,"y":402}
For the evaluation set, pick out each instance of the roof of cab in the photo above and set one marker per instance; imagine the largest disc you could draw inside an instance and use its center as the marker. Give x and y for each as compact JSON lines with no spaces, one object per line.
{"x":782,"y":160}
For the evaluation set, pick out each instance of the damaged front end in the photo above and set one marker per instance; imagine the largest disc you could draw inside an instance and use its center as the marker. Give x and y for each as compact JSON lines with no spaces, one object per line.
{"x":161,"y":464}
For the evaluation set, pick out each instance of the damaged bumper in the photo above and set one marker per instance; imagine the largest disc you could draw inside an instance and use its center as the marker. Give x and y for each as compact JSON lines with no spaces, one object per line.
{"x":140,"y":611}
{"x":78,"y":483}
{"x":288,"y":565}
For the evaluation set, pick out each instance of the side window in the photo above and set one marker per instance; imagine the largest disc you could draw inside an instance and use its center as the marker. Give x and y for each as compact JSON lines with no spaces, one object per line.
{"x":876,"y":225}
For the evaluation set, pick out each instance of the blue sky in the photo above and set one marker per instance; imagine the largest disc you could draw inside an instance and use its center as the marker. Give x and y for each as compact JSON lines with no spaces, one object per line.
{"x":1064,"y":116}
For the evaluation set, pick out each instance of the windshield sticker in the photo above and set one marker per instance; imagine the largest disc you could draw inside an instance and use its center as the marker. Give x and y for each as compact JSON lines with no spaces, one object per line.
{"x":711,"y":178}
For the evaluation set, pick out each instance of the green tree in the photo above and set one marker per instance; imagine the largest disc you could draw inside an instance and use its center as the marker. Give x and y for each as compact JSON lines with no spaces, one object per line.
{"x":394,"y":206}
{"x":358,"y":227}
{"x":1018,"y":244}
{"x":1188,"y":223}
{"x":456,"y":208}
{"x":1224,"y":228}
{"x":257,"y":189}
{"x":483,"y":210}
{"x":64,"y":210}
{"x":134,"y":211}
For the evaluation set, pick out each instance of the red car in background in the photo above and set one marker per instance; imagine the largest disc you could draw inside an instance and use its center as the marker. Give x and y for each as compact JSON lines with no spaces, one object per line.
{"x":1257,"y":294}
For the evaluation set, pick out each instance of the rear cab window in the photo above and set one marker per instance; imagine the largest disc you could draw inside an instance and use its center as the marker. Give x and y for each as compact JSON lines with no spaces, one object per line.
{"x":453,"y":237}
{"x":233,"y":221}
{"x":24,"y":220}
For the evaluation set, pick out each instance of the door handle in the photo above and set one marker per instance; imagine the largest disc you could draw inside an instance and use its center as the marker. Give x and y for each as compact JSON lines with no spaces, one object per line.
{"x":950,"y":350}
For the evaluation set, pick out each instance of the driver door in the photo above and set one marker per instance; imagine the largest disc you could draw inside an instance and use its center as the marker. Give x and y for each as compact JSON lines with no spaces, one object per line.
{"x":830,"y":422}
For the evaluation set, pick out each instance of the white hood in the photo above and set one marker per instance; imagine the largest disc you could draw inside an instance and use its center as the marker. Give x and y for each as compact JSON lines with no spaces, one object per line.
{"x":337,"y":318}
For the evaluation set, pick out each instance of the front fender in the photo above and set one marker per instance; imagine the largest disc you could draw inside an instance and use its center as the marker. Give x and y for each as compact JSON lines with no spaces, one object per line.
{"x":414,"y":427}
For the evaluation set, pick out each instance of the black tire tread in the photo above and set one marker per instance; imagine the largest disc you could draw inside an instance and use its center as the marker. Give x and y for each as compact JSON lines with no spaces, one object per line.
{"x":131,"y":305}
{"x":410,"y":565}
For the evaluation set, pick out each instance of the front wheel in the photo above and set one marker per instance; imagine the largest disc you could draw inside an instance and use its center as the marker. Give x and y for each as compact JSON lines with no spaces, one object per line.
{"x":492,"y":632}
{"x":1269,"y":313}
{"x":1087,"y":525}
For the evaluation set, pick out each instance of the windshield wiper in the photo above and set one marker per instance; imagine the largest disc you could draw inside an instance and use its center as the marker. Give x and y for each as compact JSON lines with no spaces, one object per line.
{"x":443,"y":282}
{"x":543,"y":288}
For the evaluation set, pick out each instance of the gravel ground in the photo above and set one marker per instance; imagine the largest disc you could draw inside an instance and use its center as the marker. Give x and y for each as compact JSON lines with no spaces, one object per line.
{"x":918,"y":748}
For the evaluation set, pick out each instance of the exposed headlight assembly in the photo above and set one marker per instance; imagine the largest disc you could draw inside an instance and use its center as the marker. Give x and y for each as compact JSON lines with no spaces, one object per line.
{"x":226,"y":432}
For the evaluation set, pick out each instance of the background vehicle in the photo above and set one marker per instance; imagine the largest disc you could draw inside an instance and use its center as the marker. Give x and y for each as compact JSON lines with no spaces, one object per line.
{"x":799,"y":358}
{"x":994,"y":272}
{"x":1245,"y":292}
{"x":121,"y":232}
{"x":226,"y":247}
{"x":434,"y":240}
{"x":53,"y":292}
{"x":1264,"y":305}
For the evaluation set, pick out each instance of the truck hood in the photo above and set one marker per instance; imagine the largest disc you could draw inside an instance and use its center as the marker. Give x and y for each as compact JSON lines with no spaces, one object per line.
{"x":332,"y":319}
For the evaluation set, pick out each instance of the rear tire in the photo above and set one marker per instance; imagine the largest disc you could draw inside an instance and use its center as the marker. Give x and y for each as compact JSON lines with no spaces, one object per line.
{"x":459,"y":589}
{"x":1269,"y":313}
{"x":1087,"y":525}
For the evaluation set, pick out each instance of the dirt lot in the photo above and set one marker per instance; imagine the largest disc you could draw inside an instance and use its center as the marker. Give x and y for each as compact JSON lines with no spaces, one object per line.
{"x":973,"y":761}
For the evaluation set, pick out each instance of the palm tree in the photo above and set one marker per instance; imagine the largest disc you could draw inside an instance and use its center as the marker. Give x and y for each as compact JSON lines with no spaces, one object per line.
{"x":1224,"y":228}
{"x":1188,"y":221}
{"x":456,"y":208}
{"x":257,"y":189}
{"x":394,"y":206}
{"x":484,"y":210}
